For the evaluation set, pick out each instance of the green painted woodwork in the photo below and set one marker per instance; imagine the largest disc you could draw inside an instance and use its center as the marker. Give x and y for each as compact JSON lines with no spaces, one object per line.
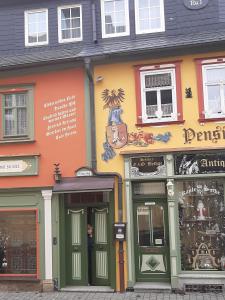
{"x":152,"y":259}
{"x":23,"y":199}
{"x":19,"y":165}
{"x":30,"y":113}
{"x":62,"y":251}
{"x":100,"y":270}
{"x":76,"y":246}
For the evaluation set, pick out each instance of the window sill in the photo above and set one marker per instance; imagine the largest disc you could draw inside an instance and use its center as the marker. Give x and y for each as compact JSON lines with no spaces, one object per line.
{"x":16,"y":141}
{"x":203,"y":120}
{"x":160,"y":123}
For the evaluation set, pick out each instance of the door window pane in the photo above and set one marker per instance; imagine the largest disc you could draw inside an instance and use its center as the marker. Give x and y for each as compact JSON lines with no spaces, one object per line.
{"x":144,"y":224}
{"x":18,"y":249}
{"x":202,"y":224}
{"x":158,"y":225}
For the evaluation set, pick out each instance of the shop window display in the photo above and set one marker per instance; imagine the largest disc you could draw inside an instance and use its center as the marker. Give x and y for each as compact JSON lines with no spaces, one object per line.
{"x":18,"y":242}
{"x":202,"y":224}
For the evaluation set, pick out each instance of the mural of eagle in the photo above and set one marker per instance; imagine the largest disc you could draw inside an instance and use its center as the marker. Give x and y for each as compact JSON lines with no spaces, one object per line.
{"x":113,"y":98}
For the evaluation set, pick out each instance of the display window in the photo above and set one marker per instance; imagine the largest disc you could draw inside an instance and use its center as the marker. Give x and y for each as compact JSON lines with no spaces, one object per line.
{"x":18,"y":243}
{"x":202,"y":224}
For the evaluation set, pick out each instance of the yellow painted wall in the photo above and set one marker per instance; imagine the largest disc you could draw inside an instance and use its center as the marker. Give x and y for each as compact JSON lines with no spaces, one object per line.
{"x":121,"y":75}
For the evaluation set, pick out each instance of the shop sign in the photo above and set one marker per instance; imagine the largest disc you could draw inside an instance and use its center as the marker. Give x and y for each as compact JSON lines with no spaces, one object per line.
{"x":18,"y":166}
{"x":148,"y":166}
{"x":188,"y":164}
{"x":195,"y":4}
{"x":190,"y":135}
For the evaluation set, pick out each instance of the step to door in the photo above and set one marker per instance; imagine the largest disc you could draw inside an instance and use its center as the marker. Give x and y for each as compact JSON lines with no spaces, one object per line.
{"x":89,"y":288}
{"x":160,"y":287}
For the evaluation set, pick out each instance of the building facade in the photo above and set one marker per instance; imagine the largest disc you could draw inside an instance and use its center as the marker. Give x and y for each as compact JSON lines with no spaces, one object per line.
{"x":112,"y":144}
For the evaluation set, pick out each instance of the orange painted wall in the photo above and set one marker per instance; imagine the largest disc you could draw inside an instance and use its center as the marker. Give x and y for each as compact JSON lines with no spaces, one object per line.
{"x":70,"y":151}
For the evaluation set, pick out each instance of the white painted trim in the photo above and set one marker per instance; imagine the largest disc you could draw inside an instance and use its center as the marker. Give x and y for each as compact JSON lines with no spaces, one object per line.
{"x":127,"y":23}
{"x":137,"y":21}
{"x":47,"y":195}
{"x":174,"y":116}
{"x":206,"y":83}
{"x":60,"y":39}
{"x":26,"y":13}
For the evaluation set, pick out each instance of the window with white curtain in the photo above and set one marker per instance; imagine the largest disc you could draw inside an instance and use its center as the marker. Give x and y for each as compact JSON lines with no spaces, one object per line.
{"x":214,"y":90}
{"x":17,"y":113}
{"x":36,"y":27}
{"x":115,"y":18}
{"x":149,"y":16}
{"x":70,"y":23}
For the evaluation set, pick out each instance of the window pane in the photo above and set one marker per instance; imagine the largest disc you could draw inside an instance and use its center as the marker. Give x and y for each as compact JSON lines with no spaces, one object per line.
{"x":21,"y":121}
{"x":119,"y":5}
{"x":41,"y":17}
{"x":166,"y":102}
{"x":76,"y":33}
{"x":65,"y":13}
{"x":202,"y":224}
{"x":42,"y":37}
{"x":8,"y":100}
{"x":215,"y":75}
{"x":158,"y":225}
{"x":9,"y":122}
{"x":143,"y":3}
{"x":32,"y":18}
{"x":144,"y":24}
{"x":155,"y":23}
{"x":143,"y":220}
{"x":154,"y":2}
{"x":75,"y":23}
{"x":144,"y":14}
{"x":109,"y":28}
{"x":66,"y":34}
{"x":149,"y":188}
{"x":75,"y":12}
{"x":32,"y":38}
{"x":214,"y":102}
{"x":158,"y":80}
{"x":109,"y":7}
{"x":18,"y":242}
{"x":155,"y":12}
{"x":151,"y":103}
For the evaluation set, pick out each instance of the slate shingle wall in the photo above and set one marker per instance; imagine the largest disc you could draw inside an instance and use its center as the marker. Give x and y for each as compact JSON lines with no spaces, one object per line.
{"x":180,"y":23}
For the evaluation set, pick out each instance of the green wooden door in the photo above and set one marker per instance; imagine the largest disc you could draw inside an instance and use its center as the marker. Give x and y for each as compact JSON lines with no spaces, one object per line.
{"x":100,"y":268}
{"x":76,"y":247}
{"x":151,"y":241}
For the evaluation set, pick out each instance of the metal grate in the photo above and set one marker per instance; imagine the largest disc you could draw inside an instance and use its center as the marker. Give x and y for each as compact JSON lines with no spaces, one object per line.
{"x":204,"y":288}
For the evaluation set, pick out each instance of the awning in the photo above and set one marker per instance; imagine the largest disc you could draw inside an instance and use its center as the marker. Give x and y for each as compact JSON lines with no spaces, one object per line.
{"x":84,"y":184}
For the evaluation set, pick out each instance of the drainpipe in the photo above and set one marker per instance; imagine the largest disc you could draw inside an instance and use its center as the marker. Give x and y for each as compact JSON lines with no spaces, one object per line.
{"x":89,"y":72}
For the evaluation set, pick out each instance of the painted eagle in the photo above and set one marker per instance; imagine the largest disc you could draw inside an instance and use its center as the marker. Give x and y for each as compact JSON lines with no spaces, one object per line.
{"x":112,"y":98}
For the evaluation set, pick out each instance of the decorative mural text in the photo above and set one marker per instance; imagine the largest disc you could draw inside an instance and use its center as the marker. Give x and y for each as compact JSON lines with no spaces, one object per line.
{"x":60,"y":117}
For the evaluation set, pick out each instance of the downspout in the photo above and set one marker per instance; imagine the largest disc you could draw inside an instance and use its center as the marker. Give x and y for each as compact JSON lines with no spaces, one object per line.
{"x":89,"y":71}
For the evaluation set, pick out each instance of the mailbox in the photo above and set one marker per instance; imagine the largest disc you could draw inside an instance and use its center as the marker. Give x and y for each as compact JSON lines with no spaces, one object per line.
{"x":120,"y":231}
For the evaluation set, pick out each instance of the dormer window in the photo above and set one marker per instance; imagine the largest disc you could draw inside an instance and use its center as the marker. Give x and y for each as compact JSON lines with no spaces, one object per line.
{"x":115,"y":18}
{"x":149,"y":15}
{"x":70,"y":23}
{"x":36,"y":27}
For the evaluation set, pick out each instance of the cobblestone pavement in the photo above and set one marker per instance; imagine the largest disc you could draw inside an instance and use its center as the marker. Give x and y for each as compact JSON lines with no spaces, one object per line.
{"x":108,"y":296}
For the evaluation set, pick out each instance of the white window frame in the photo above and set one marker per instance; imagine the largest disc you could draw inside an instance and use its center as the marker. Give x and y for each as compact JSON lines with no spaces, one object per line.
{"x":60,"y":39}
{"x":207,"y":113}
{"x":137,"y":20}
{"x":174,"y":115}
{"x":127,"y":22}
{"x":26,"y":25}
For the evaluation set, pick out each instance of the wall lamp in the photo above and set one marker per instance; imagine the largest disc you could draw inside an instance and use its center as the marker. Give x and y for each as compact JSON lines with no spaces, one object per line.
{"x":57,"y":173}
{"x":99,"y":78}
